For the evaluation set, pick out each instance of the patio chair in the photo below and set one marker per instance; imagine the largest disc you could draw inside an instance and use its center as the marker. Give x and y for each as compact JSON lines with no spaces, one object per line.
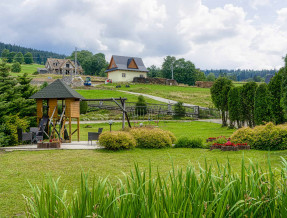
{"x":24,"y":136}
{"x":94,"y":135}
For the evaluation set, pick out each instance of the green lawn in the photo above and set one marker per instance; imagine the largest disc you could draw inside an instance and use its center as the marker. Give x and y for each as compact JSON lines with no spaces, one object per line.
{"x":192,"y":129}
{"x":187,"y":94}
{"x":28,"y":68}
{"x":19,"y":167}
{"x":99,"y":93}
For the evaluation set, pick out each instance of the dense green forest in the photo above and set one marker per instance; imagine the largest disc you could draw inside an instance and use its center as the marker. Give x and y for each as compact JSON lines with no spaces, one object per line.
{"x":241,"y":75}
{"x":39,"y":56}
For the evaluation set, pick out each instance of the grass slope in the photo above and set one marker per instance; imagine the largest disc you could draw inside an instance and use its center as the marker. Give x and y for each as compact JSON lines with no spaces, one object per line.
{"x":28,"y":68}
{"x":187,"y":94}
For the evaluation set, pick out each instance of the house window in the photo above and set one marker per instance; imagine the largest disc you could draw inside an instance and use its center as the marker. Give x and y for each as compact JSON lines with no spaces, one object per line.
{"x":123,"y":75}
{"x":67,"y":65}
{"x":141,"y":76}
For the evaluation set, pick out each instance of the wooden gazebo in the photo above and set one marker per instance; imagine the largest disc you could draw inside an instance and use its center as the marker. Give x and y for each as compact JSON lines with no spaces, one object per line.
{"x":55,"y":95}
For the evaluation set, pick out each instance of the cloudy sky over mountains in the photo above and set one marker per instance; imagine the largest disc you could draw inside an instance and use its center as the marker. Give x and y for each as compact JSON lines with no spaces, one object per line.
{"x":246,"y":34}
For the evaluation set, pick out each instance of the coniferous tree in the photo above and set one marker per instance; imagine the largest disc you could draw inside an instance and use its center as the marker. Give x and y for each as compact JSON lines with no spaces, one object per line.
{"x":275,"y":89}
{"x":16,"y":67}
{"x":141,"y":106}
{"x":234,"y":108}
{"x":248,"y":94}
{"x":219,"y":95}
{"x":4,"y":54}
{"x":11,"y":56}
{"x":284,"y":88}
{"x":262,"y":105}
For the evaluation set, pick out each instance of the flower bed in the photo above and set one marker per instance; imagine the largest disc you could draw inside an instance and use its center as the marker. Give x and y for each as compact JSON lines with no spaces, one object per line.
{"x":229,"y":146}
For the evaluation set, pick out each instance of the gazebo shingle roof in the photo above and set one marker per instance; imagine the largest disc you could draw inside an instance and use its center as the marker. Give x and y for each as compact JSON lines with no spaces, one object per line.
{"x":58,"y":90}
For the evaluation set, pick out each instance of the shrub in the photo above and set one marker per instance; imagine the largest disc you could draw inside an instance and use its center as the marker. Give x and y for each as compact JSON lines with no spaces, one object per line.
{"x":16,"y":67}
{"x":83,"y":107}
{"x":141,"y":106}
{"x":185,"y":142}
{"x":172,"y":136}
{"x":151,"y":138}
{"x":263,"y":137}
{"x":117,"y":140}
{"x":179,"y":110}
{"x":45,"y":84}
{"x":35,"y":73}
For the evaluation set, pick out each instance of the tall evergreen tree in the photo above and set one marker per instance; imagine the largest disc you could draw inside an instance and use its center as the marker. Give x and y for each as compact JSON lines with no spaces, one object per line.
{"x":28,"y":58}
{"x":262,"y":105}
{"x":275,"y":89}
{"x":248,"y":95}
{"x":234,"y":108}
{"x":284,"y":87}
{"x":219,"y":95}
{"x":19,"y":58}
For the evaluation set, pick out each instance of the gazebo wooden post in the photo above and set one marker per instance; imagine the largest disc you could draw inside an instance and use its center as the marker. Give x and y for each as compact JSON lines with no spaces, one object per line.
{"x":70,"y":129}
{"x":124,"y":108}
{"x":78,"y":126}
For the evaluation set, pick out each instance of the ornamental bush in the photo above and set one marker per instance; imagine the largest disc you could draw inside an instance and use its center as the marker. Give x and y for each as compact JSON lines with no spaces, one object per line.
{"x":151,"y":138}
{"x":263,"y":137}
{"x":185,"y":142}
{"x":117,"y":140}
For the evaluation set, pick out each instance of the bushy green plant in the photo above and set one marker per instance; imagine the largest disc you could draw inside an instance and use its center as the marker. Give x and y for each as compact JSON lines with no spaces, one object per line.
{"x":187,"y":192}
{"x":16,"y":67}
{"x":117,"y":140}
{"x":263,"y":137}
{"x":179,"y":110}
{"x":9,"y":129}
{"x":185,"y":142}
{"x":141,"y":106}
{"x":83,"y":107}
{"x":151,"y":137}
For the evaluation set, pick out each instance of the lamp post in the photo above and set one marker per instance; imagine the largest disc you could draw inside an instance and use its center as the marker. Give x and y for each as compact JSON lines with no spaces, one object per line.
{"x":111,"y":123}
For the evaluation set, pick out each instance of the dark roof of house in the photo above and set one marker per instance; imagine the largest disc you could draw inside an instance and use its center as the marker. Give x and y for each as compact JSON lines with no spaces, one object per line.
{"x":123,"y":62}
{"x":58,"y":89}
{"x":268,"y":78}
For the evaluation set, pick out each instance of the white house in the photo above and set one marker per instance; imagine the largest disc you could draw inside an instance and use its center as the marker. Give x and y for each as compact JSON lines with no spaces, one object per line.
{"x":125,"y":69}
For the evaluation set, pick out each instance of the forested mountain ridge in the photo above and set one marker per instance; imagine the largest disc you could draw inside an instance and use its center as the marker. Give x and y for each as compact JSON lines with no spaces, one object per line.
{"x":39,"y":56}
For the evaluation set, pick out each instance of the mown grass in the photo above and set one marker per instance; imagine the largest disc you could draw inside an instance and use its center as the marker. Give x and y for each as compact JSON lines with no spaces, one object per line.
{"x":192,"y":129}
{"x":99,"y":93}
{"x":20,"y":166}
{"x":27,"y":68}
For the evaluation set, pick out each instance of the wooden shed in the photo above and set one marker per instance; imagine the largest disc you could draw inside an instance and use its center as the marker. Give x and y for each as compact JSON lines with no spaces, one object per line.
{"x":58,"y":97}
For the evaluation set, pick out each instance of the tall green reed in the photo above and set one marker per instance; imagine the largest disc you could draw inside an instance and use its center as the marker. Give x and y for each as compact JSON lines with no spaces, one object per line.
{"x":208,"y":192}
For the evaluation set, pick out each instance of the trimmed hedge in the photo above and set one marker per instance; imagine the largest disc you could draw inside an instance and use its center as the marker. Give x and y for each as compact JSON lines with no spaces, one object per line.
{"x":185,"y":142}
{"x":117,"y":140}
{"x":152,"y":138}
{"x":263,"y":137}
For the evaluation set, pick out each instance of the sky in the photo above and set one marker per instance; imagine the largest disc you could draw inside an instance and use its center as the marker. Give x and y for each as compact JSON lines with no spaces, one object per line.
{"x":213,"y":34}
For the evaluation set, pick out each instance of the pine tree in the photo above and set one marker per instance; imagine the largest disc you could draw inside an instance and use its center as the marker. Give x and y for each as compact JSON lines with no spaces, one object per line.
{"x":16,"y":67}
{"x":262,"y":109}
{"x":4,"y":54}
{"x":141,"y":106}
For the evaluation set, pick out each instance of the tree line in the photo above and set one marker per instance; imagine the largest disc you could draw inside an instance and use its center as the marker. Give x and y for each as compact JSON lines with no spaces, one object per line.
{"x":241,"y":75}
{"x":39,"y":56}
{"x":252,"y":104}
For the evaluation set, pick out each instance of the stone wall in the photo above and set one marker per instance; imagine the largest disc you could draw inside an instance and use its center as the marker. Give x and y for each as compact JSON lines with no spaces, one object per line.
{"x":204,"y":84}
{"x":160,"y":81}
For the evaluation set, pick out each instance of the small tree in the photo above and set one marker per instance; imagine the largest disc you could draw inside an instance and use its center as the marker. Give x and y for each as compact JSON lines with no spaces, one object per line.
{"x":4,"y":54}
{"x":28,"y":58}
{"x":141,"y":106}
{"x":83,"y":107}
{"x":19,"y":58}
{"x":16,"y":67}
{"x":45,"y":84}
{"x":219,"y":95}
{"x":11,"y":56}
{"x":179,"y":110}
{"x":262,"y":109}
{"x":210,"y":77}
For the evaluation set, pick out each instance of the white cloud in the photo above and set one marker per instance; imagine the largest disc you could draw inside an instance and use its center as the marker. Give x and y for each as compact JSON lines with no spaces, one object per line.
{"x":222,"y":37}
